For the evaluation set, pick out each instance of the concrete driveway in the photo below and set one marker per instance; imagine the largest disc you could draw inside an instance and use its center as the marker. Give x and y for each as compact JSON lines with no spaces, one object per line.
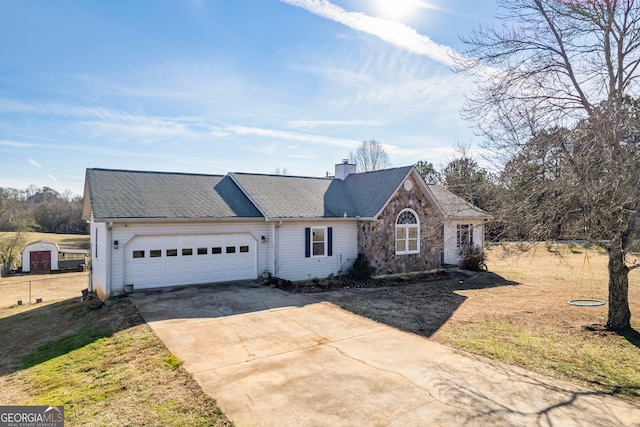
{"x":274,"y":359}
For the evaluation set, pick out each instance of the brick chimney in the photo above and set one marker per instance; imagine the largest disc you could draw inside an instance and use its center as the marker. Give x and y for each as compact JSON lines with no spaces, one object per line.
{"x":344,"y":169}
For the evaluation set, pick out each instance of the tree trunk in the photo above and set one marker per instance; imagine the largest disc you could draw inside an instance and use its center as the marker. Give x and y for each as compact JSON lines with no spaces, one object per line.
{"x":619,"y":316}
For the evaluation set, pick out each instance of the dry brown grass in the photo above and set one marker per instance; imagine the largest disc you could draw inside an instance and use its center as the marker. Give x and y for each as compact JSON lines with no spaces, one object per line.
{"x":67,"y":241}
{"x":105,"y":366}
{"x":547,"y":280}
{"x":519,"y":314}
{"x":49,"y":287}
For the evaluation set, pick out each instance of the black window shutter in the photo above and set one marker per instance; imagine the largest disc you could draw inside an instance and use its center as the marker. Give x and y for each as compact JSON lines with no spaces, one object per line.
{"x":329,"y":241}
{"x":307,"y":242}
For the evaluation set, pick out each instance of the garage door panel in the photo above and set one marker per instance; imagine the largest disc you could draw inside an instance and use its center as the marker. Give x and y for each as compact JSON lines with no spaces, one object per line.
{"x":172,"y":279}
{"x":172,"y":266}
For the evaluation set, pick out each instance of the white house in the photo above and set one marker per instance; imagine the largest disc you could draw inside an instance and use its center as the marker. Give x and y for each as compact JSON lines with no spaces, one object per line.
{"x":154,"y":229}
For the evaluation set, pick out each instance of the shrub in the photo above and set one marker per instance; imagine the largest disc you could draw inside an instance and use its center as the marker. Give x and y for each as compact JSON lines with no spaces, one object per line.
{"x":474,"y":258}
{"x":360,"y":270}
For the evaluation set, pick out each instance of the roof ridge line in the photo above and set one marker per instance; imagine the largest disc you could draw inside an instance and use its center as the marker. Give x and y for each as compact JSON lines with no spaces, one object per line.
{"x":157,"y":172}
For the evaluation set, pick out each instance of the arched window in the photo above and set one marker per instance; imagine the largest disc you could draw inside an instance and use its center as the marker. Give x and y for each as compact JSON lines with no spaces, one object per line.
{"x":407,"y":233}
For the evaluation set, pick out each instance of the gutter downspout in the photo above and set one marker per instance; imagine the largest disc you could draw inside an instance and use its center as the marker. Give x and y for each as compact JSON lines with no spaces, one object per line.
{"x":274,"y":245}
{"x":108,"y":249}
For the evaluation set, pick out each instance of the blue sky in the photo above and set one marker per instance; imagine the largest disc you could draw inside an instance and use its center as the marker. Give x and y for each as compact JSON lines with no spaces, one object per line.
{"x":227,"y":85}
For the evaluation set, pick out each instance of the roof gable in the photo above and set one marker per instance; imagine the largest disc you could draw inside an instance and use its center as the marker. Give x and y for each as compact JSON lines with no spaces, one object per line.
{"x":371,"y":191}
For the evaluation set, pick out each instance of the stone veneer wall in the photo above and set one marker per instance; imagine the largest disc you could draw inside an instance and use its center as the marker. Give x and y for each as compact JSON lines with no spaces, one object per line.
{"x":377,"y":239}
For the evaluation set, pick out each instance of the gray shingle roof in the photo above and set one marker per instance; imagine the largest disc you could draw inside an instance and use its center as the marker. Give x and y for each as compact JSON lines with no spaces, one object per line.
{"x":280,"y":196}
{"x":370,"y":191}
{"x":119,"y":194}
{"x":454,"y":206}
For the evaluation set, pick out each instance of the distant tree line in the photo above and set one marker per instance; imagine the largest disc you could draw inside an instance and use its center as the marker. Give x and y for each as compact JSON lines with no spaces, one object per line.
{"x":41,"y":209}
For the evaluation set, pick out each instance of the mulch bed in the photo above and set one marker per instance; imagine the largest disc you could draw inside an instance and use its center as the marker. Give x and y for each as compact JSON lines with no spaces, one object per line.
{"x":344,"y":282}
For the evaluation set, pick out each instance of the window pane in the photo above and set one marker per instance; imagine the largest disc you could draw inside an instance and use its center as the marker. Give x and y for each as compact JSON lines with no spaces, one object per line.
{"x":318,"y":234}
{"x":187,"y":252}
{"x":413,"y":233}
{"x":318,"y":248}
{"x":172,"y":252}
{"x":400,"y":245}
{"x":231,"y":249}
{"x":138,"y":254}
{"x":217,"y":250}
{"x":413,"y":245}
{"x":155,"y":253}
{"x":244,"y":248}
{"x":202,"y":251}
{"x":407,"y":217}
{"x":401,"y":233}
{"x":464,"y":235}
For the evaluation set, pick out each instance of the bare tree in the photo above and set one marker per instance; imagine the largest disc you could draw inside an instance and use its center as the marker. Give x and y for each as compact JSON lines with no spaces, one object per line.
{"x":370,"y":156}
{"x":11,"y":244}
{"x":556,"y":90}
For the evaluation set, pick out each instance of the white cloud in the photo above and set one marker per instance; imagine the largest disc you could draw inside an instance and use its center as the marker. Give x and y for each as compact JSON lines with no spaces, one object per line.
{"x":293,"y":136}
{"x":395,"y":33}
{"x":319,"y":123}
{"x":54,"y":179}
{"x":300,"y":156}
{"x":34,"y":163}
{"x":6,"y":143}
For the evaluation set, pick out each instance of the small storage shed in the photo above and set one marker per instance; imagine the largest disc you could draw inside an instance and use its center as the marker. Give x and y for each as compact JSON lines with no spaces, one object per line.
{"x":40,"y":257}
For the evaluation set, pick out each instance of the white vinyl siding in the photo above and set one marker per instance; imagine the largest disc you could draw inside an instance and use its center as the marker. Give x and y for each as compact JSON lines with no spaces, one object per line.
{"x":99,"y":279}
{"x":281,"y":252}
{"x":450,"y":235}
{"x":291,"y":262}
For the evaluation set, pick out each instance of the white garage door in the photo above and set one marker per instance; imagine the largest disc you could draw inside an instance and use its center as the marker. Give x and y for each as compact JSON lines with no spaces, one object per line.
{"x":155,"y":261}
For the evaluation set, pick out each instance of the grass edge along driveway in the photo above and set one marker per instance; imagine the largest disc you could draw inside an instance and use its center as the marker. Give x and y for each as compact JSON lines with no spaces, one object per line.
{"x":105,"y":366}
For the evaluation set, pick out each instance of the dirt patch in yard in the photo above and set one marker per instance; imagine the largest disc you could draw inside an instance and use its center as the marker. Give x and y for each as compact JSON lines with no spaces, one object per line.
{"x":48,"y":287}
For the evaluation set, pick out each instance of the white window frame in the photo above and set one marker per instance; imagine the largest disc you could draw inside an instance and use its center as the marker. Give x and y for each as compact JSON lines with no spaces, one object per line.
{"x":311,"y":242}
{"x":469,"y":231}
{"x":407,"y":239}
